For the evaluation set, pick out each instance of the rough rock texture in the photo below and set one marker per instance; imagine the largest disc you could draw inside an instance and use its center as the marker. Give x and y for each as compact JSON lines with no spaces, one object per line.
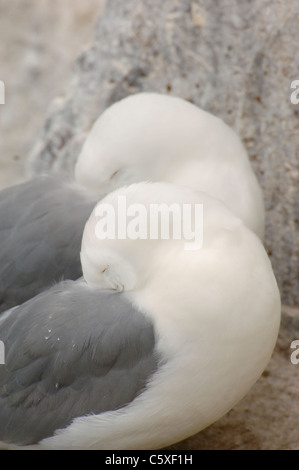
{"x":39,"y":41}
{"x":236,"y":59}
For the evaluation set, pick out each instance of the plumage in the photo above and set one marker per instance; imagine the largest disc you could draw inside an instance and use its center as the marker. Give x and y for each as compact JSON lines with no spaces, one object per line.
{"x":71,"y":352}
{"x":41,"y":228}
{"x":184,"y":341}
{"x":156,"y":137}
{"x":145,"y":137}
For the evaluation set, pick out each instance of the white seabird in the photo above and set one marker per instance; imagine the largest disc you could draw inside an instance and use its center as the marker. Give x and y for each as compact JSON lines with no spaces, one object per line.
{"x":156,"y":137}
{"x":185,"y":339}
{"x":147,"y":136}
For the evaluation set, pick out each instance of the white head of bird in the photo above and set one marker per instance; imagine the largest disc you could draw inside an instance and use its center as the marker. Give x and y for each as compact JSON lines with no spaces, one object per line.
{"x":231,"y":263}
{"x":156,"y":137}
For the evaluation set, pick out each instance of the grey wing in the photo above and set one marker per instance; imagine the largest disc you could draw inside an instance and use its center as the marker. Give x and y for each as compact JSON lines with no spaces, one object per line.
{"x":41,"y":227}
{"x":70,"y":352}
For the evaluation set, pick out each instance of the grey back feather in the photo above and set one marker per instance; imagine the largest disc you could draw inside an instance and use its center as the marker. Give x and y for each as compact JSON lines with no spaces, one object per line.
{"x":41,"y":227}
{"x":71,"y":352}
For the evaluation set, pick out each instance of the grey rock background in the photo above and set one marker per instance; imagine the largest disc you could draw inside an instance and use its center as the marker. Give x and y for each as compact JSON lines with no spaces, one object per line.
{"x":39,"y":41}
{"x":237,"y":60}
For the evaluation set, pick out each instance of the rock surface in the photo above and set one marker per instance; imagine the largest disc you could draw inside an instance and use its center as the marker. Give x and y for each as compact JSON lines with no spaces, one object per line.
{"x":39,"y":41}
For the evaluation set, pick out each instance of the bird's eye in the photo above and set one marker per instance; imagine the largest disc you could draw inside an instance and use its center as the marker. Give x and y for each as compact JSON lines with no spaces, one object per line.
{"x":112,"y":279}
{"x":114,"y":174}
